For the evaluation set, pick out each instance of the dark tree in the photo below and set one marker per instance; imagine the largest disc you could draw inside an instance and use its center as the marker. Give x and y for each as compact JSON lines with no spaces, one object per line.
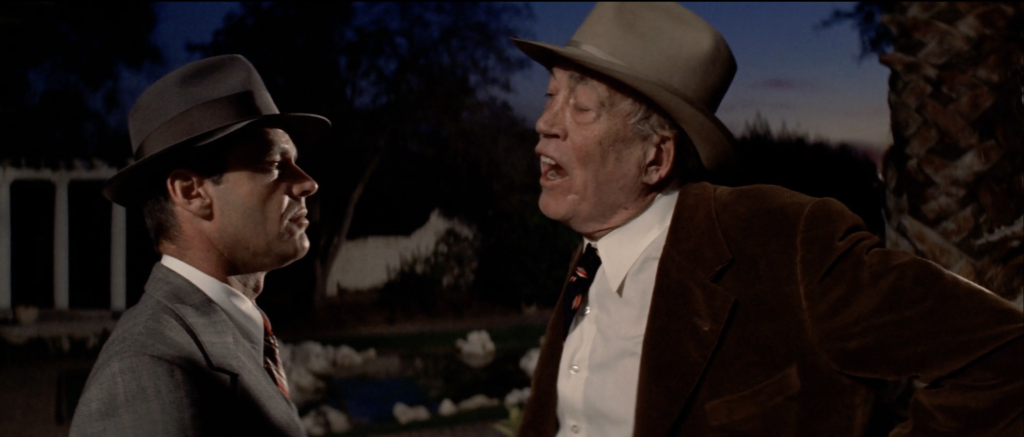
{"x":411,"y":90}
{"x":866,"y":17}
{"x":812,"y":167}
{"x":59,"y":88}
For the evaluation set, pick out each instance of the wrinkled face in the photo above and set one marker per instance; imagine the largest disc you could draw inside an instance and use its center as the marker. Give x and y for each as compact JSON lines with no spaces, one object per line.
{"x":591,"y":160}
{"x":259,"y":209}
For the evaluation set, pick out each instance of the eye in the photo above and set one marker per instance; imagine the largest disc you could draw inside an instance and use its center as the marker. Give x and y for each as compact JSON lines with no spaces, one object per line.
{"x":273,"y":164}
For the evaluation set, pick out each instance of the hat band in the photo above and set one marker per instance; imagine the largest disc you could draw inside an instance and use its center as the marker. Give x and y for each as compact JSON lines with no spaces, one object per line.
{"x":203,"y":118}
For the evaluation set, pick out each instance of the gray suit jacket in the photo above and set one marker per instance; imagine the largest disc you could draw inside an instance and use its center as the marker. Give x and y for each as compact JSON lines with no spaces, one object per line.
{"x":175,"y":365}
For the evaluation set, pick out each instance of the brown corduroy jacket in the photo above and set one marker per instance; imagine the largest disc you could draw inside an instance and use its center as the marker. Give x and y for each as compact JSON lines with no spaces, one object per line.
{"x":775,"y":313}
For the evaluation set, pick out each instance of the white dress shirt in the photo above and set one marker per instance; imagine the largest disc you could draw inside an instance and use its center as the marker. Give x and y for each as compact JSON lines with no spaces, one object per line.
{"x":600,"y":366}
{"x":242,"y":312}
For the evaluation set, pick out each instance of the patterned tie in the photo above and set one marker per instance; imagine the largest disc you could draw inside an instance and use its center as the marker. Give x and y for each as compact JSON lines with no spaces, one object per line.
{"x":272,"y":360}
{"x":579,"y":283}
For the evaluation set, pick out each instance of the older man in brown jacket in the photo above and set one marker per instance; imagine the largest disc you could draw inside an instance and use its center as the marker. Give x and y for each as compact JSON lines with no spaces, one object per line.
{"x":693,"y":309}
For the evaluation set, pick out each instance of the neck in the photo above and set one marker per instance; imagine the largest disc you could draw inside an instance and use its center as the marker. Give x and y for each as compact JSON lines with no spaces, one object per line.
{"x":622,"y":216}
{"x":250,"y":284}
{"x":207,"y":261}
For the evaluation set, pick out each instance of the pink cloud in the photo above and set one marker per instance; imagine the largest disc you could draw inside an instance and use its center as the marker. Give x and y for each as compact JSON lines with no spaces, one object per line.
{"x":782,"y":84}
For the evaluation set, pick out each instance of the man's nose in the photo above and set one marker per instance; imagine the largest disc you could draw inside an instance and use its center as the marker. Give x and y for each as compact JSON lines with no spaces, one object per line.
{"x":551,"y":124}
{"x":304,"y":185}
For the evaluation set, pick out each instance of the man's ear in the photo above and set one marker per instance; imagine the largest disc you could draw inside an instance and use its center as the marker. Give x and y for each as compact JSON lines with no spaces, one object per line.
{"x":186,"y":190}
{"x":660,"y":156}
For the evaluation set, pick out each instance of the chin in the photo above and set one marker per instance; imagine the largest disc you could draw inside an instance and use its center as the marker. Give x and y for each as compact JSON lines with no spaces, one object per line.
{"x":554,"y":209}
{"x":548,"y":207}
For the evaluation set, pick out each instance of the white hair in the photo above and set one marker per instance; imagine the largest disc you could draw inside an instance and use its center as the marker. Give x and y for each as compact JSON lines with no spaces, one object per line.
{"x":646,"y":120}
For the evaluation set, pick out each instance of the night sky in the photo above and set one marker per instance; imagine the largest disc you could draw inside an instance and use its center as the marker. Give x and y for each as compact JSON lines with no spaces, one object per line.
{"x":789,"y":71}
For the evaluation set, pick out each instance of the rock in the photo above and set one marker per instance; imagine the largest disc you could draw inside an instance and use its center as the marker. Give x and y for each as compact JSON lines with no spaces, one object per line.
{"x":405,"y":414}
{"x":447,"y":408}
{"x":346,"y":357}
{"x":337,"y":421}
{"x":477,"y":350}
{"x":314,"y":423}
{"x":517,"y":396}
{"x":303,"y":386}
{"x":529,"y":361}
{"x":478,"y":401}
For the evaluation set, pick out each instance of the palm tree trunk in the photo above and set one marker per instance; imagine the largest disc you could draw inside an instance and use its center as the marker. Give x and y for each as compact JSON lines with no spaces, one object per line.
{"x":955,"y":173}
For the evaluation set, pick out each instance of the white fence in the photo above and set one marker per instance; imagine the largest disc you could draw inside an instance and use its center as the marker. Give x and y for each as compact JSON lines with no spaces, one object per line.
{"x":61,"y":253}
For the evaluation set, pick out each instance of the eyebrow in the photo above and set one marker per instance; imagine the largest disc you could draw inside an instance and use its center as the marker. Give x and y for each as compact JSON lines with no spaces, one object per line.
{"x":282,"y":150}
{"x":577,"y":79}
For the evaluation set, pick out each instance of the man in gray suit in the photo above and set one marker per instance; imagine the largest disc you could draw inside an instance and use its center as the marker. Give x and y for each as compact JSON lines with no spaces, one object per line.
{"x":223,"y":199}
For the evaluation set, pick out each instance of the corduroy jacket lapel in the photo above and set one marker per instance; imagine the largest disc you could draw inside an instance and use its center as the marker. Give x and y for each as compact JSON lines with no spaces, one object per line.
{"x":688,"y":315}
{"x":688,"y":312}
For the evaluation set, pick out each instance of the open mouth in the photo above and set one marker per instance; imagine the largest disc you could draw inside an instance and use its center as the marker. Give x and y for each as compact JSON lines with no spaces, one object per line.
{"x":550,"y":170}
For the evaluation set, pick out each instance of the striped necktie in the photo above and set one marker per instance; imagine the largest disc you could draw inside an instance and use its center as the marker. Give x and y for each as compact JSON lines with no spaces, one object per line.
{"x":272,"y":359}
{"x":579,"y":283}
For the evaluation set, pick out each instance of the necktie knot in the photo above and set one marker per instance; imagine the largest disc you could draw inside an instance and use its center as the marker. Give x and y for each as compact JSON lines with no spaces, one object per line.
{"x":579,"y":283}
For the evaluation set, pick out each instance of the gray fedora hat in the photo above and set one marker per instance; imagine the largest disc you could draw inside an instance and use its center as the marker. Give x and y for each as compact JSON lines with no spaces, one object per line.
{"x":191,"y":107}
{"x":666,"y":53}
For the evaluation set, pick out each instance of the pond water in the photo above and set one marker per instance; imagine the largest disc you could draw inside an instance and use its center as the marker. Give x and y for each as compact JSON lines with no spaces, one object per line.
{"x":368,"y":394}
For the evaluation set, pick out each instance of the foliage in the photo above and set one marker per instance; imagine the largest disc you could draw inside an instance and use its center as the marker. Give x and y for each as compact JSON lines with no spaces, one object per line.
{"x":509,"y":427}
{"x":401,"y":82}
{"x":60,"y":85}
{"x":812,"y":167}
{"x":875,"y":38}
{"x":411,"y":90}
{"x":444,"y":276}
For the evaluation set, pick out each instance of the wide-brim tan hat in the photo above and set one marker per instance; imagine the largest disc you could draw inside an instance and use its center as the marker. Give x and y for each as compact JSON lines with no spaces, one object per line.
{"x":666,"y":53}
{"x":193,"y":106}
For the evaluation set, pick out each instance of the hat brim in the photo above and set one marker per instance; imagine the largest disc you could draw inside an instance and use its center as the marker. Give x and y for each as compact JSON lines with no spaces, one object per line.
{"x":714,"y":142}
{"x":130,"y":186}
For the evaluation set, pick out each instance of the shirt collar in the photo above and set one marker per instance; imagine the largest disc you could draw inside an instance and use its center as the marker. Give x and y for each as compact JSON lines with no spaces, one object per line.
{"x":242,"y":312}
{"x":621,"y":247}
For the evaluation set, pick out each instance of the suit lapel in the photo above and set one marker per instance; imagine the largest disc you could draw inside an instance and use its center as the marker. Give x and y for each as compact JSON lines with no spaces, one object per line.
{"x":688,"y":312}
{"x":223,"y":346}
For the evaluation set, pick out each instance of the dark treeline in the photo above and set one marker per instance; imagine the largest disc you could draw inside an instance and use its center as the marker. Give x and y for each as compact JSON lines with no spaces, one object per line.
{"x":413,"y":92}
{"x":815,"y":167}
{"x":60,"y":87}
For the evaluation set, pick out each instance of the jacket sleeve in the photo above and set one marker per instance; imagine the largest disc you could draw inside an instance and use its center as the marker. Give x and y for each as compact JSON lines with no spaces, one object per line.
{"x":143,"y":395}
{"x":887,"y":314}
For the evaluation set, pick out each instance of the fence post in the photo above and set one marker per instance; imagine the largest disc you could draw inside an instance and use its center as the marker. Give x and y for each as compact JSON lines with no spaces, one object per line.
{"x":118,"y":258}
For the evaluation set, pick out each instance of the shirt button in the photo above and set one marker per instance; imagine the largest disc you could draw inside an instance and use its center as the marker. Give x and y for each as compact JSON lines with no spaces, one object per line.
{"x":575,"y":429}
{"x":574,"y":369}
{"x":586,"y":310}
